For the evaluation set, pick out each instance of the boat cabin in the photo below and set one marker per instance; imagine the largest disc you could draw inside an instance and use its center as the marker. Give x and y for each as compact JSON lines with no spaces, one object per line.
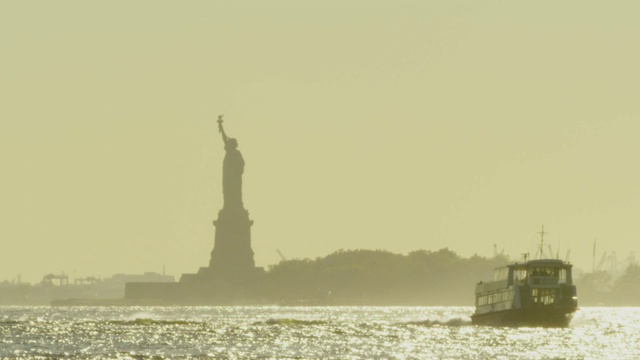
{"x":536,"y":293}
{"x":536,"y":272}
{"x":541,"y":282}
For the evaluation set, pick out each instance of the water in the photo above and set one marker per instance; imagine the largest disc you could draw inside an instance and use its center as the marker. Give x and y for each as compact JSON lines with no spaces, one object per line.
{"x":305,"y":333}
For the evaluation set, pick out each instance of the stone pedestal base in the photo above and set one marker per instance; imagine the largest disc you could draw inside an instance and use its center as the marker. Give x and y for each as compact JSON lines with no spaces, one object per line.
{"x":200,"y":289}
{"x":232,"y":253}
{"x":230,"y":278}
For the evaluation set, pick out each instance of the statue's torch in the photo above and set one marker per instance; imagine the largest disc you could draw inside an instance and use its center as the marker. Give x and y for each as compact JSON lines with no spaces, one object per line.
{"x":220,"y":123}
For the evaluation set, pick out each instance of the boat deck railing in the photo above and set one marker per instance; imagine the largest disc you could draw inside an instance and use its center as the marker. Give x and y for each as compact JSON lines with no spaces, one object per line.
{"x":491,"y":286}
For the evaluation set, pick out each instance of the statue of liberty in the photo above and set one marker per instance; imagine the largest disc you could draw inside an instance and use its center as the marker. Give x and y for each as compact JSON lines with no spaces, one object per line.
{"x":232,"y":169}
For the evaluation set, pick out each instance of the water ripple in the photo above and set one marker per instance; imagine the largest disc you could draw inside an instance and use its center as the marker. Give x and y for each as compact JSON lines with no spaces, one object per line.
{"x":305,"y":332}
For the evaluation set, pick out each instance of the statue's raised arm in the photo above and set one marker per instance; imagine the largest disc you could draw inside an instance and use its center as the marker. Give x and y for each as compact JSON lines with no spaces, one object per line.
{"x":232,"y":169}
{"x":221,"y":130}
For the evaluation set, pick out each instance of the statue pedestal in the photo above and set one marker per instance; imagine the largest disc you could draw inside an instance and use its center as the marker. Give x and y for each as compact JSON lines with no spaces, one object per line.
{"x":231,"y":277}
{"x":232,"y":253}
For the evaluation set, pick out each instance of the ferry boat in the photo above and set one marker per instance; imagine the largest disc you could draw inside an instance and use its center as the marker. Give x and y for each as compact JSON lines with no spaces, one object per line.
{"x":532,"y":293}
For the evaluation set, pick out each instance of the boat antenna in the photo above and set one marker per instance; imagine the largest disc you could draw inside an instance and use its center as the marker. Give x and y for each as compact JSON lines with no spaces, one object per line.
{"x":542,"y":241}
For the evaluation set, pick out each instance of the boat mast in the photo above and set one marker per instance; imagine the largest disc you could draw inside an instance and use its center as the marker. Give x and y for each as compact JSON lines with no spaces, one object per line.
{"x":542,"y":241}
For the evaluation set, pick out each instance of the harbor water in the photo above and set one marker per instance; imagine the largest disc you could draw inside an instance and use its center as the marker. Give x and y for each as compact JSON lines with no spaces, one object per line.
{"x":305,"y":333}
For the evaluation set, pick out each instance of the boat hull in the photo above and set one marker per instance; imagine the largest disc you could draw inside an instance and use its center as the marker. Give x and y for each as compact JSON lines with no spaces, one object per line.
{"x":524,"y":318}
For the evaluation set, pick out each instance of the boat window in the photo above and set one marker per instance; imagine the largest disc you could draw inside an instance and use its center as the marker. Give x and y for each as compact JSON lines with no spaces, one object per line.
{"x":482,"y":300}
{"x":562,"y":277}
{"x":501,"y":274}
{"x":543,"y":296}
{"x":544,"y":275}
{"x":520,"y":276}
{"x":539,"y":271}
{"x":544,"y":271}
{"x":495,"y":297}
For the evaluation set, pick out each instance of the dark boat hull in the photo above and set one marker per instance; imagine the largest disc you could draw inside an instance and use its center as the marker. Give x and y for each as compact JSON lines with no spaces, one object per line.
{"x":525,"y":318}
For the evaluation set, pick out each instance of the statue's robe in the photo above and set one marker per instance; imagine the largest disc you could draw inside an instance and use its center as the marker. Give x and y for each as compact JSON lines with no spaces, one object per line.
{"x":232,"y":169}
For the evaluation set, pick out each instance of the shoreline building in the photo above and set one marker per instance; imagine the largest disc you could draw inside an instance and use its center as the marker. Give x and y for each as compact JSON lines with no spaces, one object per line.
{"x":231,"y":276}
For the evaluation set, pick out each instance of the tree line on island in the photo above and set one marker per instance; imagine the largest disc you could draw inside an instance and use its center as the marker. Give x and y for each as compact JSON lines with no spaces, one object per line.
{"x":601,"y":288}
{"x":422,"y":277}
{"x":377,"y":277}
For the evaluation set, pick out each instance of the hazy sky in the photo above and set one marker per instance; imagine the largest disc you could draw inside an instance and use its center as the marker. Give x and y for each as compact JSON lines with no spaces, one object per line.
{"x":398,"y":125}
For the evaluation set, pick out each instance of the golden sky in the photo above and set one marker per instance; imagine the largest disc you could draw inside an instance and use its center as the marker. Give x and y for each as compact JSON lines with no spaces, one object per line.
{"x":397,"y":125}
